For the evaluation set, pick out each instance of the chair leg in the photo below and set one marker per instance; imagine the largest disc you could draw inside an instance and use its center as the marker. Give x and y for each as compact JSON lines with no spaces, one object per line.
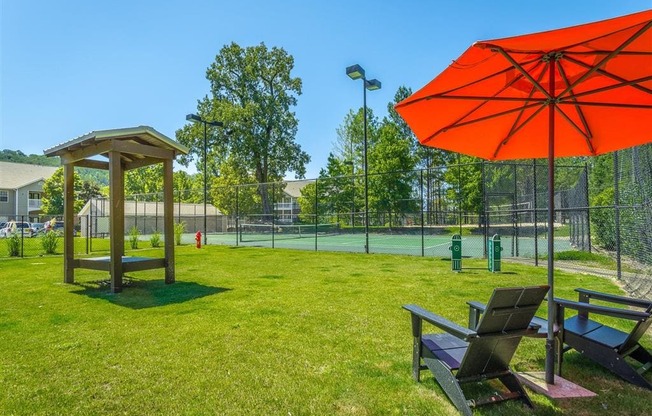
{"x":449,"y":384}
{"x":624,"y":370}
{"x":416,"y":359}
{"x":559,"y":354}
{"x":642,"y":356}
{"x":612,"y":361}
{"x":511,"y":382}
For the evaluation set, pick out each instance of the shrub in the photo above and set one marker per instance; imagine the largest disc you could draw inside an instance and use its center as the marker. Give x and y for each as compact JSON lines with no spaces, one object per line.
{"x":133,"y":237}
{"x":155,"y":239}
{"x":13,"y":245}
{"x":179,"y":229}
{"x":49,"y":242}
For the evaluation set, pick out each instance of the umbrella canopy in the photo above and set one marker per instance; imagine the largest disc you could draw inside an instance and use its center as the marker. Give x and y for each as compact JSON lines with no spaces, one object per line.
{"x":489,"y":102}
{"x":578,"y":91}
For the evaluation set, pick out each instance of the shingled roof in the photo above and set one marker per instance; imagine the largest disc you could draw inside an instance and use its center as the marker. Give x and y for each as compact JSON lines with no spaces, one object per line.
{"x":17,"y":175}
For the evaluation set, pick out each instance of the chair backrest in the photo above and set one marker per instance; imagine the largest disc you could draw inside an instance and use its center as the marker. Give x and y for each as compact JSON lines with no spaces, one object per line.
{"x":637,"y":332}
{"x":508,"y":311}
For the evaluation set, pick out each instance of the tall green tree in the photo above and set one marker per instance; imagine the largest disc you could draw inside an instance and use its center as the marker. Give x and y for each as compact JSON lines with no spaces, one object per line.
{"x":146,"y":183}
{"x":89,"y":190}
{"x":187,"y":187}
{"x":52,"y":201}
{"x":253,"y":93}
{"x":431,"y":159}
{"x":392,"y":178}
{"x":464,"y":179}
{"x":230,"y":194}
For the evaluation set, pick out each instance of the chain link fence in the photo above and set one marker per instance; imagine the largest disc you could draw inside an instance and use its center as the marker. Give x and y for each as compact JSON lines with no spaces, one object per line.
{"x":603,"y":214}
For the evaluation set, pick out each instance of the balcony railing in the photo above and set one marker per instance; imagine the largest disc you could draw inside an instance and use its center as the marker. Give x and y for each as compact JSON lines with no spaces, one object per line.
{"x":34,"y":204}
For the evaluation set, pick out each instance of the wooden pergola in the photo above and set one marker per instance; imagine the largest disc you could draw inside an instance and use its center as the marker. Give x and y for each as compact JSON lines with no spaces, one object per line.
{"x":125,"y":149}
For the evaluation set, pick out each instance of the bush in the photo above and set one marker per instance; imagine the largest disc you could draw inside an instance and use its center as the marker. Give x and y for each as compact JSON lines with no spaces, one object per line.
{"x":155,"y":239}
{"x":179,"y":229}
{"x":133,"y":237}
{"x":49,"y":242}
{"x":13,"y":245}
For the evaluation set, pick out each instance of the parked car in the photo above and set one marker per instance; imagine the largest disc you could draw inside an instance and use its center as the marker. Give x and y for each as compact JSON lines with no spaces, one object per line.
{"x":58,"y":228}
{"x":38,"y":227}
{"x":17,"y":227}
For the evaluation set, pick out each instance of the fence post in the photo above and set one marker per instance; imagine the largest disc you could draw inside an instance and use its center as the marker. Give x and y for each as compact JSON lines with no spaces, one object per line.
{"x":237,"y":216}
{"x":316,"y":205}
{"x":88,"y":231}
{"x":22,"y":234}
{"x":423,"y":248}
{"x":588,"y":211}
{"x":459,"y":192}
{"x":617,"y":213}
{"x":515,"y":212}
{"x":273,"y":231}
{"x":485,"y":225}
{"x":535,"y":208}
{"x":155,"y":214}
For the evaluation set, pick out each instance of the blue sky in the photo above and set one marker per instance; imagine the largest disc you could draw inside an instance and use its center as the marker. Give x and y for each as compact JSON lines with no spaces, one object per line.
{"x":70,"y":67}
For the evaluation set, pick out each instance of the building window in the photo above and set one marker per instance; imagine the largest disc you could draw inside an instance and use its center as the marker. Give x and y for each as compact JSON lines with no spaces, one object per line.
{"x":34,"y":195}
{"x":4,"y":196}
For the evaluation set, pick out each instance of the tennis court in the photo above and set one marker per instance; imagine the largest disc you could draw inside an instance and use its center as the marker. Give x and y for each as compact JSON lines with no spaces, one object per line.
{"x":435,"y":245}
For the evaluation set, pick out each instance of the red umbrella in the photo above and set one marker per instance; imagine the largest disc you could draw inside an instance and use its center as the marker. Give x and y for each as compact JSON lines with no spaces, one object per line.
{"x":577,"y":91}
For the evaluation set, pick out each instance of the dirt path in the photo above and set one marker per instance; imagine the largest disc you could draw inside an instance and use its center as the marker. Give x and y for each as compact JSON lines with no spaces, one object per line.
{"x":637,"y":285}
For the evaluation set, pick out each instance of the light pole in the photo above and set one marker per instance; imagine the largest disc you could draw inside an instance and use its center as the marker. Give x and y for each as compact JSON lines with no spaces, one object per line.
{"x":197,"y":119}
{"x":356,"y":72}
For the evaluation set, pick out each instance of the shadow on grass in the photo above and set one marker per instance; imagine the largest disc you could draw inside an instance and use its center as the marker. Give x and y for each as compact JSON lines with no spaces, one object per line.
{"x":141,"y":294}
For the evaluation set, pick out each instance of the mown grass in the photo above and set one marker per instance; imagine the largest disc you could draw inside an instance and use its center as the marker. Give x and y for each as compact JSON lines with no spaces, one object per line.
{"x":248,"y":331}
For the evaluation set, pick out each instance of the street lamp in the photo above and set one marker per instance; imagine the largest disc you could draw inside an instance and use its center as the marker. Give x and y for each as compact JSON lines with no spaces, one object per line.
{"x":356,"y":72}
{"x":197,"y":119}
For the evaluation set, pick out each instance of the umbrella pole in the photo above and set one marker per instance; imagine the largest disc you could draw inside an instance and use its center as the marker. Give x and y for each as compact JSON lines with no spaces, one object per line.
{"x":550,"y":339}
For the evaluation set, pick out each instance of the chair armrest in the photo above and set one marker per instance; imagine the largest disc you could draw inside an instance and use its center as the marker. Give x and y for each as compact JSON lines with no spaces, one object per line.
{"x":592,"y":294}
{"x":476,"y":309}
{"x":481,"y":307}
{"x":602,"y":310}
{"x":440,"y":322}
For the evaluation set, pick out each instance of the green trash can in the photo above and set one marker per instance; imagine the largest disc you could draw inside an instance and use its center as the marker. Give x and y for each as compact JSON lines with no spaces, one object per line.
{"x":493,"y":253}
{"x":456,"y":253}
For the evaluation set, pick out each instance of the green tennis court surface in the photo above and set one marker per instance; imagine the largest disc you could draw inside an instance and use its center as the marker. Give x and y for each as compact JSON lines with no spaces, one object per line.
{"x":429,"y":245}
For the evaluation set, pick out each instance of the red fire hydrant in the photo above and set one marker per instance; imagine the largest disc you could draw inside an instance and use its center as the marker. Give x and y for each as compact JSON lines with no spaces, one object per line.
{"x":198,"y":239}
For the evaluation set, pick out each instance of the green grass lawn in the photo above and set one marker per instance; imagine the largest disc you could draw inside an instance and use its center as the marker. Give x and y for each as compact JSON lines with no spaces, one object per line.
{"x":248,"y":331}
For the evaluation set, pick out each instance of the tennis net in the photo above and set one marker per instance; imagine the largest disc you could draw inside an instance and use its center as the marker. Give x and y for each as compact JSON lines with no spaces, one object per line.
{"x":266,"y":232}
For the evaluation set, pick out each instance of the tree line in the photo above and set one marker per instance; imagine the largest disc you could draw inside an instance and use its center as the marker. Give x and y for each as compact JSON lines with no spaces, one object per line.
{"x":254,"y":92}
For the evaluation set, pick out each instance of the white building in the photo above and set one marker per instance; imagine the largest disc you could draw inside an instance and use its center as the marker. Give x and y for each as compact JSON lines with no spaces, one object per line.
{"x":21,"y":189}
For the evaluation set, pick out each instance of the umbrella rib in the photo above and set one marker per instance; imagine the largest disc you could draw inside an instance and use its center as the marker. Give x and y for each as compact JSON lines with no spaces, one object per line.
{"x":624,"y":82}
{"x":522,"y":70}
{"x":477,"y":120}
{"x":604,"y":60}
{"x":630,"y":53}
{"x":586,"y":133}
{"x":509,"y":84}
{"x":615,"y":105}
{"x":516,"y":127}
{"x":440,"y":94}
{"x":511,"y":133}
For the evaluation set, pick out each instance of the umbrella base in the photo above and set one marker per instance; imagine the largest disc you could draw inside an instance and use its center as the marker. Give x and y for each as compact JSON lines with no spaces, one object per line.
{"x":562,"y":389}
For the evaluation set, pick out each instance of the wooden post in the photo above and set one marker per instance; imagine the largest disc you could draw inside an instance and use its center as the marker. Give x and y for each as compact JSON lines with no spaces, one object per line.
{"x":168,"y":220}
{"x":116,"y":219}
{"x":68,"y":223}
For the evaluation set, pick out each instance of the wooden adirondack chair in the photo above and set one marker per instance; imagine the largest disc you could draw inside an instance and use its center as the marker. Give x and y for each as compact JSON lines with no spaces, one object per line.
{"x":462,"y":355}
{"x":603,"y":344}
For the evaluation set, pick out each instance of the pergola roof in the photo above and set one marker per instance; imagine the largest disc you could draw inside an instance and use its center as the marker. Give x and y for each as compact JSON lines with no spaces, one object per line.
{"x":138,"y":146}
